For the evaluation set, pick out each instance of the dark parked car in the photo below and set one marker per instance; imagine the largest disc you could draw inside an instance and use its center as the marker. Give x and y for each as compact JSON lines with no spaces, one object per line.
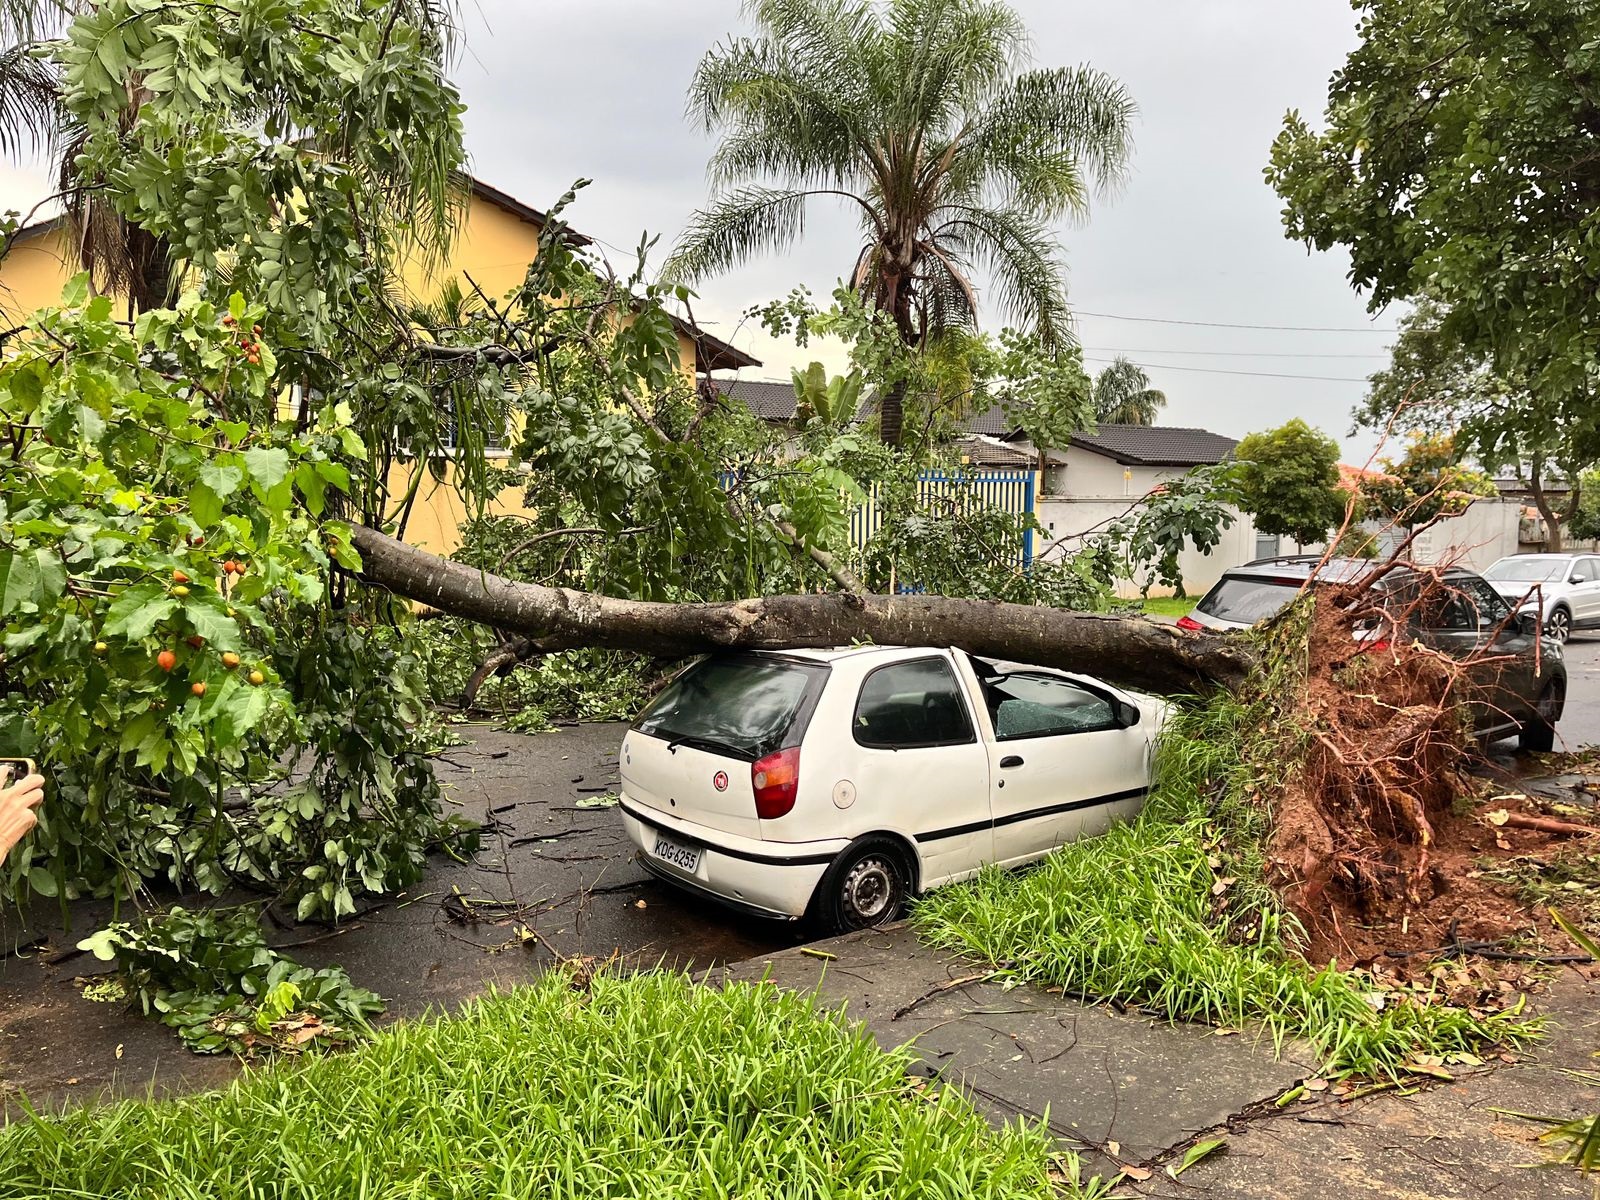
{"x":1520,"y":678}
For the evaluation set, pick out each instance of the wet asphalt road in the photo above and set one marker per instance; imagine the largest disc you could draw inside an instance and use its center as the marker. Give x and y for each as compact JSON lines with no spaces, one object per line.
{"x":1580,"y":724}
{"x":548,"y":863}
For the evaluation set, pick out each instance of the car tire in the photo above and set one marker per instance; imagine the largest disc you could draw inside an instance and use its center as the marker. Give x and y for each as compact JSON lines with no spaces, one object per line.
{"x":1558,"y":625}
{"x":1538,"y":733}
{"x":866,"y":886}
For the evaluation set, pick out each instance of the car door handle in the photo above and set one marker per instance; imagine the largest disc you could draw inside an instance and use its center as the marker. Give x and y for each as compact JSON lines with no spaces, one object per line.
{"x":1009,"y":761}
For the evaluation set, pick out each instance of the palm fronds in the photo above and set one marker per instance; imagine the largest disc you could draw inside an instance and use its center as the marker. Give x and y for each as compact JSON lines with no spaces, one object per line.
{"x":913,"y":111}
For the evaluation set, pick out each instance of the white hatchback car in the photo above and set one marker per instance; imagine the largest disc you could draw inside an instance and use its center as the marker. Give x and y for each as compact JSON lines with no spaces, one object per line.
{"x":1562,"y":590}
{"x":834,"y":784}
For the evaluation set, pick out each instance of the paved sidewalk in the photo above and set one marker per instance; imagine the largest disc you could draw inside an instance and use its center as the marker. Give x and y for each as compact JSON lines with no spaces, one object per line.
{"x":1127,"y":1089}
{"x":1122,"y":1086}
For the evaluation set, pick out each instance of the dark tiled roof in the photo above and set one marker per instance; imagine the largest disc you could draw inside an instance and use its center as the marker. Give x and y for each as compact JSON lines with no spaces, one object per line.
{"x":990,"y":452}
{"x":774,"y":399}
{"x":1133,"y":445}
{"x":1157,"y":445}
{"x":991,"y":423}
{"x":769,"y":399}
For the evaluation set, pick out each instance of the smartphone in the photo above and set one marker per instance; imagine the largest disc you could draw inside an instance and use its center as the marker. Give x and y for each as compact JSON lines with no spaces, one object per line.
{"x":13,"y":769}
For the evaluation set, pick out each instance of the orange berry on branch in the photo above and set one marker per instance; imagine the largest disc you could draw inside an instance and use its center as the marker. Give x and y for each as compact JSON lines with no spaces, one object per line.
{"x":179,"y":577}
{"x":230,"y":660}
{"x":195,"y":640}
{"x":257,"y":678}
{"x":166,"y":660}
{"x":198,"y":688}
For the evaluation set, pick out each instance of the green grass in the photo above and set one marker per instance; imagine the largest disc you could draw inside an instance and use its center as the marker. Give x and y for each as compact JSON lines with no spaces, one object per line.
{"x":648,"y":1085}
{"x":1132,"y":916}
{"x":1168,"y":606}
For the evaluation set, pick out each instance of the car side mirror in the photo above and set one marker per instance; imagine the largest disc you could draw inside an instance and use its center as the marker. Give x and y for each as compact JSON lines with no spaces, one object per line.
{"x":1127,"y":714}
{"x":1528,"y":623}
{"x":1576,"y":579}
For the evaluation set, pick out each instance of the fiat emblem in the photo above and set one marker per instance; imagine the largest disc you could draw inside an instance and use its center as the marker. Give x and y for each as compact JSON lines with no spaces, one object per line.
{"x":720,"y":781}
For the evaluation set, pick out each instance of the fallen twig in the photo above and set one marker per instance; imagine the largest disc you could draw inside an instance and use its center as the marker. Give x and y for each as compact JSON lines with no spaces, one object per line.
{"x":940,"y":989}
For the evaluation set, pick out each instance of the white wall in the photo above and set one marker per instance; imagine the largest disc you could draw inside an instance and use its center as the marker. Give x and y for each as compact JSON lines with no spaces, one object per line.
{"x":1488,"y":530}
{"x":1086,"y":475}
{"x":1067,"y":522}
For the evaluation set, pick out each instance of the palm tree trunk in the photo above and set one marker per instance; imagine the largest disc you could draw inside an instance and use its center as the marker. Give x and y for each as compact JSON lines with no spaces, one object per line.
{"x":892,"y":413}
{"x":892,"y":408}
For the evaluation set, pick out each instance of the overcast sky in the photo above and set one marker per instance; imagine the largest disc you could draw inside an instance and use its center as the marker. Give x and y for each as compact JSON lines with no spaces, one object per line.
{"x":562,"y":89}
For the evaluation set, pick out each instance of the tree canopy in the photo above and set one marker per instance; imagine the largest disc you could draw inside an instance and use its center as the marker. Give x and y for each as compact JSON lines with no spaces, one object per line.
{"x":1457,"y":161}
{"x":915,"y":115}
{"x":1288,"y":481}
{"x":1433,"y":382}
{"x":1427,"y":482}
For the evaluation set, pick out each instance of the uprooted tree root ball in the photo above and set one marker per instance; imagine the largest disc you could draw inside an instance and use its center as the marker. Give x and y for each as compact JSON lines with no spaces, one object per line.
{"x":1375,"y":841}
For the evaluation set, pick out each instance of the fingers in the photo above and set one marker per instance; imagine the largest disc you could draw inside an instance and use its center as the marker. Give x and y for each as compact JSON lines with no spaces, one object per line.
{"x":28,"y":791}
{"x":14,"y":826}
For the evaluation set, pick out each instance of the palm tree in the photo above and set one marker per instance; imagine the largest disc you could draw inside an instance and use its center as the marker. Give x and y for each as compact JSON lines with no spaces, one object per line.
{"x":1123,"y":395}
{"x":914,"y":114}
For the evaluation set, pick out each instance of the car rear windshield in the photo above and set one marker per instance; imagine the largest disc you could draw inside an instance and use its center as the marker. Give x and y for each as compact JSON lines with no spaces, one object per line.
{"x":1527,"y":570}
{"x":746,"y":707}
{"x":1247,"y":600}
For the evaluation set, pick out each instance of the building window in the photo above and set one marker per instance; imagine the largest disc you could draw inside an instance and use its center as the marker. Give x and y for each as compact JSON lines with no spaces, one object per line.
{"x":495,"y":441}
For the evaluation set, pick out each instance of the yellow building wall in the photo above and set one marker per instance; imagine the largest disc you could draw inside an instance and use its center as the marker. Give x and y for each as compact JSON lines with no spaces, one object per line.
{"x":493,"y":246}
{"x":34,"y":271}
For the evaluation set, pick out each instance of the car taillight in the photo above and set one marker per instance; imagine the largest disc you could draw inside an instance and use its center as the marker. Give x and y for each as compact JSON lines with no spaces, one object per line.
{"x":776,"y":781}
{"x":1190,"y":624}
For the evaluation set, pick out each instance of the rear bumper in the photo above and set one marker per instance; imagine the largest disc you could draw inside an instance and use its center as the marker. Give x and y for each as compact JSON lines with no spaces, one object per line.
{"x":762,"y":878}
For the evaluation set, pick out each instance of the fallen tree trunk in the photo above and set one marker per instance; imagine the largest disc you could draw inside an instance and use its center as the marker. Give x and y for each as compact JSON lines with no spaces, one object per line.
{"x":1131,"y":651}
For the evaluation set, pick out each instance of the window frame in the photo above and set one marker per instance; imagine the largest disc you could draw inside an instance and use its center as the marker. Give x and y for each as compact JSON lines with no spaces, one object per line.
{"x":961,"y":695}
{"x":1113,"y":701}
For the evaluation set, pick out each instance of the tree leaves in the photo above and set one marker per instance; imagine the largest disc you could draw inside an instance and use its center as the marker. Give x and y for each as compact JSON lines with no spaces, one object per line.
{"x":137,"y":610}
{"x":30,"y":579}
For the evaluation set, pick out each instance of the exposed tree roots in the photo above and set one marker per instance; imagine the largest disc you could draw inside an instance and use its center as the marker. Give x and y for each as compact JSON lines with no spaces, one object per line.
{"x":1376,"y":843}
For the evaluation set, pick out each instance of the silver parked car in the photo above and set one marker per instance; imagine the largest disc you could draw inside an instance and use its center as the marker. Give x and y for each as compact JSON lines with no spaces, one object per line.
{"x":1563,"y":590}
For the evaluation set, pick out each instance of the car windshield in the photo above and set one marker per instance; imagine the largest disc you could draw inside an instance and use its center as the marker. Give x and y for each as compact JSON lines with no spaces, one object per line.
{"x":745,"y":707}
{"x":1246,"y":601}
{"x":1528,"y":570}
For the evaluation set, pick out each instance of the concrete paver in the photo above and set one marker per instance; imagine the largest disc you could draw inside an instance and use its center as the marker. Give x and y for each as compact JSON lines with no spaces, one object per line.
{"x":1122,"y":1085}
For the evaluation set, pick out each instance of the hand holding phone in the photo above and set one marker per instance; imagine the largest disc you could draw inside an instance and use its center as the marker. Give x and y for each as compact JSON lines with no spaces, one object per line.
{"x":18,"y":800}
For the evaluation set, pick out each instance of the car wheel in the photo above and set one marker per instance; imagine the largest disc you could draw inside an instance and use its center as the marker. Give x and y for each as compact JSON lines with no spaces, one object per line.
{"x":865,"y":886}
{"x":1538,"y":733}
{"x":1559,"y":625}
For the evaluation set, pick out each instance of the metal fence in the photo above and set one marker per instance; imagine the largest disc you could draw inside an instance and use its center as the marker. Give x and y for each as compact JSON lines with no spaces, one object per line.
{"x":1009,"y":491}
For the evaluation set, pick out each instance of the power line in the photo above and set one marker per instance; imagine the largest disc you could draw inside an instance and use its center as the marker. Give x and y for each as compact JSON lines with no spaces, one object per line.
{"x":1083,"y":312}
{"x":1255,"y":374}
{"x":1237,"y":353}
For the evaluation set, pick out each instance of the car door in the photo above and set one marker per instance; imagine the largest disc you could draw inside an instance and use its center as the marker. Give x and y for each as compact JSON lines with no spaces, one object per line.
{"x":1586,"y":592}
{"x":919,"y":767}
{"x":1063,"y":764}
{"x":1471,"y":621}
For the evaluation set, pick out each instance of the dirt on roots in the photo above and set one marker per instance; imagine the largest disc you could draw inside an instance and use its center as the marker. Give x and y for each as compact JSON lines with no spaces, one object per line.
{"x":1382,"y":843}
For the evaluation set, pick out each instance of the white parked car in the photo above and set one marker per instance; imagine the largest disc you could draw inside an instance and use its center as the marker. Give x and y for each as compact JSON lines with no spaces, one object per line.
{"x":834,"y":784}
{"x":1562,"y":589}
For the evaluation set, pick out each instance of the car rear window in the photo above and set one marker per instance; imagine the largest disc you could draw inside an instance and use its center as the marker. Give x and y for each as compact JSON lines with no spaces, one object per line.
{"x":743,"y":706}
{"x":1248,"y":600}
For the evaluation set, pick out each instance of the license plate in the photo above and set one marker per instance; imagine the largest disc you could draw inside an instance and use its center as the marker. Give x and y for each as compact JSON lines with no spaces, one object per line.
{"x":683,"y":857}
